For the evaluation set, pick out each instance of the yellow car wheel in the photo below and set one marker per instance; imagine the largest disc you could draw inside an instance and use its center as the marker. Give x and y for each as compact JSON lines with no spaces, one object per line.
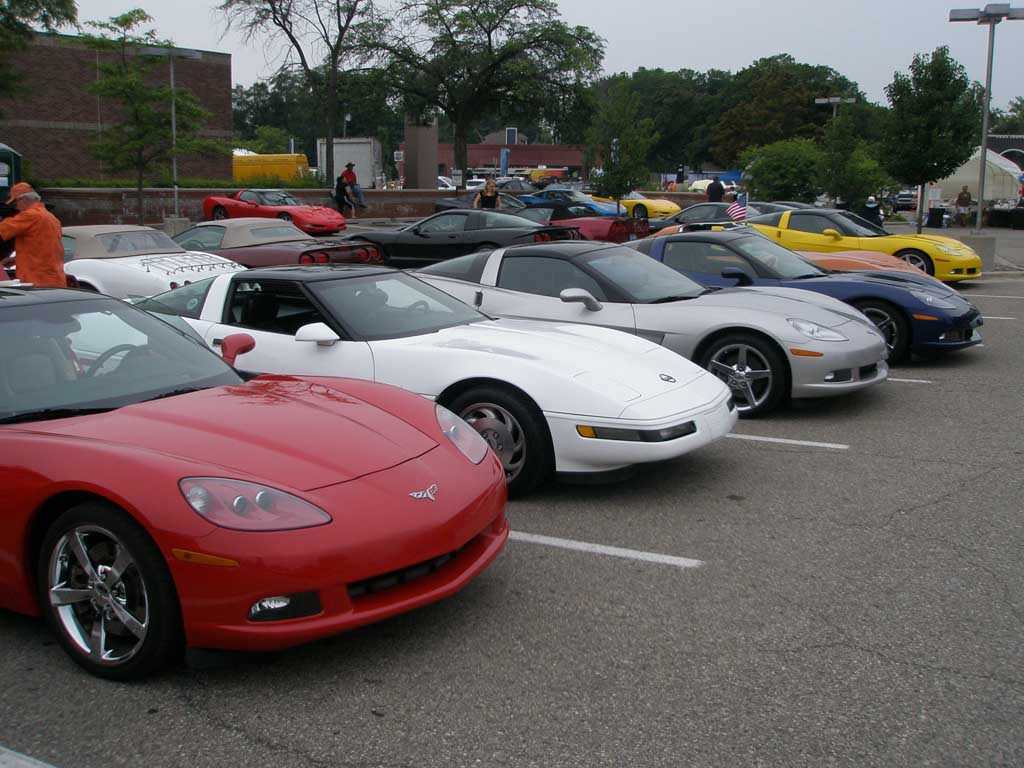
{"x":640,"y":211}
{"x":917,"y":259}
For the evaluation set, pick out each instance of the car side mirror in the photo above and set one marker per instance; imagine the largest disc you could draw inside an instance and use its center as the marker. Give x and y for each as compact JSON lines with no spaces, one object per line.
{"x":236,"y":344}
{"x":580,"y":296}
{"x":737,"y":274}
{"x":318,"y":332}
{"x":831,"y":233}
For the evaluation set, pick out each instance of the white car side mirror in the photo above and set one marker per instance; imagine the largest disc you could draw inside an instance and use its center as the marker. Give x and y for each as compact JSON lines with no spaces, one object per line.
{"x":318,"y":332}
{"x":581,"y":296}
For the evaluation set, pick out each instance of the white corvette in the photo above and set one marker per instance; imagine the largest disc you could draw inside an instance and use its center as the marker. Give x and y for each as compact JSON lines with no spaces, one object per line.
{"x":547,"y":397}
{"x":129,"y":261}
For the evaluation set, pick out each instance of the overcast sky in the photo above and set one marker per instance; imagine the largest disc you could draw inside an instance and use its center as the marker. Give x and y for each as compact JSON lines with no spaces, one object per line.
{"x":865,"y":40}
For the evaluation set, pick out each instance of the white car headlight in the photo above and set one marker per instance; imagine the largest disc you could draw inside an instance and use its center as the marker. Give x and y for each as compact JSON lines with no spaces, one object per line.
{"x":463,"y":436}
{"x":815,"y":331}
{"x":949,"y":249}
{"x":933,"y":301}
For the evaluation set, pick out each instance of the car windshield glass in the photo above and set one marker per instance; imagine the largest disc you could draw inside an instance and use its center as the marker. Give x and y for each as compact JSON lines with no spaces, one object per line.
{"x":640,"y":277}
{"x":571,"y":194}
{"x":491,"y":220}
{"x":778,"y":260}
{"x":391,"y":305}
{"x":60,"y":358}
{"x":277,"y":232}
{"x":542,"y":215}
{"x":855,"y":226}
{"x":136,"y":242}
{"x":279,"y":198}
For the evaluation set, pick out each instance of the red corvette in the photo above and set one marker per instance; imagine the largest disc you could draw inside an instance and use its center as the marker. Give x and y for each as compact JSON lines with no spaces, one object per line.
{"x":274,"y":204}
{"x":609,"y":229}
{"x":154,"y":500}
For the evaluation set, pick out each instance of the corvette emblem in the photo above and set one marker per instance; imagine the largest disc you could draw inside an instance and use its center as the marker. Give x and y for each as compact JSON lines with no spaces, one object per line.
{"x":429,"y":493}
{"x":666,"y":377}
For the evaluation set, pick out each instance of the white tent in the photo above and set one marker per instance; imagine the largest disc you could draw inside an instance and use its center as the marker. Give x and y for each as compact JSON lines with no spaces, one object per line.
{"x":1002,"y":177}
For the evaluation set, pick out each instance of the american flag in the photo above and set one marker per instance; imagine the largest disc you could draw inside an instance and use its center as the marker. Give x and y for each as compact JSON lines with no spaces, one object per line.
{"x":738,"y":210}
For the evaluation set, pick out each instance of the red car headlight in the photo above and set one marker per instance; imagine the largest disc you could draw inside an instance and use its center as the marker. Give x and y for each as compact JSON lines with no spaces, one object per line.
{"x":463,"y":436}
{"x":246,"y":506}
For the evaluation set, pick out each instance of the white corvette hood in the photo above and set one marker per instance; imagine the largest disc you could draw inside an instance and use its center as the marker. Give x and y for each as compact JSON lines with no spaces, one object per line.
{"x":566,"y":368}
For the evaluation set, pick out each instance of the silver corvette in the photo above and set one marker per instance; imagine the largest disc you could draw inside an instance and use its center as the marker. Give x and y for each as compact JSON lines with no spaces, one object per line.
{"x":767,"y":344}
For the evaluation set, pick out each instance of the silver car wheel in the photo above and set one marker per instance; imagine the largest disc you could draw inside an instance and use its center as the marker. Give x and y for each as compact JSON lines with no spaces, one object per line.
{"x":502,"y":432}
{"x":746,"y":372}
{"x":98,"y":594}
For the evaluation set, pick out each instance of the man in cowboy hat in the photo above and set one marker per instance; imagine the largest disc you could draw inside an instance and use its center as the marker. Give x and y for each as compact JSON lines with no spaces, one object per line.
{"x":36,"y":234}
{"x":350,"y":178}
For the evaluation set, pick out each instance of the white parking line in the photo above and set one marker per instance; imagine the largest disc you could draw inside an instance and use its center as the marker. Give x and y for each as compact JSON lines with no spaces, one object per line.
{"x":11,"y":759}
{"x":910,"y":381}
{"x":988,"y":296}
{"x":784,"y":441}
{"x":991,"y":317}
{"x":601,"y":549}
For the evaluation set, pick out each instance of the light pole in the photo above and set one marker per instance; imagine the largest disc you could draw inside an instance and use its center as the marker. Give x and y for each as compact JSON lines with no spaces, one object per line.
{"x":991,"y":15}
{"x":171,"y":54}
{"x":835,"y":101}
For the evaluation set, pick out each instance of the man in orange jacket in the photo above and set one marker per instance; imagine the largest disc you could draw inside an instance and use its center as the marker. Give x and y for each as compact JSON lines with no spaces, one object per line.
{"x":37,"y":244}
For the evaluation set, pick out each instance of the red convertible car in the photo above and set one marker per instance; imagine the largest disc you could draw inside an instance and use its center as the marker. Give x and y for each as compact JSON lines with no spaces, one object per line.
{"x":153,"y":499}
{"x":274,"y":204}
{"x":609,"y":229}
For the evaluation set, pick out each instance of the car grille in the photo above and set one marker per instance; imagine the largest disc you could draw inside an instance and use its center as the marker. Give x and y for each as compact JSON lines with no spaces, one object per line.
{"x":404,"y":575}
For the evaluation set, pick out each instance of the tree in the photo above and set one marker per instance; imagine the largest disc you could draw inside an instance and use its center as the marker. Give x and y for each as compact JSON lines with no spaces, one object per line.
{"x":620,"y":140}
{"x":783,"y":170}
{"x":848,"y":170}
{"x":317,"y":33}
{"x":269,"y":140}
{"x":470,"y":60}
{"x":1010,"y":120}
{"x":17,"y":20}
{"x":143,"y":138}
{"x":932,"y":128}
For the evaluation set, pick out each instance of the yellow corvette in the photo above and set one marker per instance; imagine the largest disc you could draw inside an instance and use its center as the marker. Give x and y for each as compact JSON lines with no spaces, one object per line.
{"x":825,"y":231}
{"x":641,"y":207}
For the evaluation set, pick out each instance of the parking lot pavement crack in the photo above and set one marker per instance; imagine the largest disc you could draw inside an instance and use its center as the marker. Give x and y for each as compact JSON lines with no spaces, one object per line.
{"x":190,"y":691}
{"x":1010,"y":682}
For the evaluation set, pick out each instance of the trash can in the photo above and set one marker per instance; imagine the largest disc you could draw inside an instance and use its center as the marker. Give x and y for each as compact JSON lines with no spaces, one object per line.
{"x":935,"y":217}
{"x":1017,"y":218}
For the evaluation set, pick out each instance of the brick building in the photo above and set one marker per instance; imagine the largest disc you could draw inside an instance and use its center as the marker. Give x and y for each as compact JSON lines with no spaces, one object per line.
{"x":54,"y":117}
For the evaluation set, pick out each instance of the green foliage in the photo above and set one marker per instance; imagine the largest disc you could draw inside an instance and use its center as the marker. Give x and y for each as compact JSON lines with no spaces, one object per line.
{"x":849,"y":171}
{"x":784,"y":170}
{"x":618,"y":118}
{"x":269,"y":140}
{"x":17,"y":20}
{"x":1010,"y":120}
{"x":142,"y":141}
{"x":477,"y":60}
{"x":933,"y":126}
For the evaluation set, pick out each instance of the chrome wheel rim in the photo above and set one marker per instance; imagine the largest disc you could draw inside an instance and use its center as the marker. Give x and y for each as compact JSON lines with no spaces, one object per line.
{"x":886,"y":325}
{"x":220,"y":214}
{"x":640,"y":212}
{"x":916,"y":260}
{"x":98,"y":595}
{"x":746,"y":372}
{"x":502,"y":432}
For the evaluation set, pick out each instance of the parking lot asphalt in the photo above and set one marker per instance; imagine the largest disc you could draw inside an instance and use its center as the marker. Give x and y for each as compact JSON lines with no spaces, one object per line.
{"x":857,"y":604}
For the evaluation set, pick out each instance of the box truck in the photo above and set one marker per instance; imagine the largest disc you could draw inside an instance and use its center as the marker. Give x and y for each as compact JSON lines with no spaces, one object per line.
{"x":364,"y":152}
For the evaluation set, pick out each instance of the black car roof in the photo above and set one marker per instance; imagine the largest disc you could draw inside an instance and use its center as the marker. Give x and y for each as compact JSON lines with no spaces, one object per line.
{"x":22,"y":295}
{"x":564,"y":249}
{"x":308,"y":273}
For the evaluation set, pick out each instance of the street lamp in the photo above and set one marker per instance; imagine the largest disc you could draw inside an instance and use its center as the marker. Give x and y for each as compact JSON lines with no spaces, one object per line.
{"x":991,"y":15}
{"x":171,"y":54}
{"x":835,"y":101}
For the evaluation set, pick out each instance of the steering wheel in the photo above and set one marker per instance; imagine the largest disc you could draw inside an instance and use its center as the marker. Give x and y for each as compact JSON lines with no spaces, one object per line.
{"x":420,"y":306}
{"x":102,"y":359}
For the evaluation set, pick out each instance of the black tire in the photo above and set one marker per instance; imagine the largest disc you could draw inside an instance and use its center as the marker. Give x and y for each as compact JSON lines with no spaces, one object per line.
{"x":144,"y":591}
{"x":892,"y":323}
{"x":485,"y":247}
{"x":640,"y":211}
{"x":919,"y":259}
{"x":219,"y":213}
{"x":284,"y":216}
{"x":754,"y":370}
{"x":514,"y":429}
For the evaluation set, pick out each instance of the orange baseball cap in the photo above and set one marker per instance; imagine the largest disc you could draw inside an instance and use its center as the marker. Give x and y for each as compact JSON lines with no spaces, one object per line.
{"x":19,"y":189}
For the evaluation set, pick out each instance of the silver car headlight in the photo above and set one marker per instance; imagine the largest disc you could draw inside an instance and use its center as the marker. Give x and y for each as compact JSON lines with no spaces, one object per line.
{"x":932,"y":300}
{"x":949,"y":249}
{"x":815,"y":331}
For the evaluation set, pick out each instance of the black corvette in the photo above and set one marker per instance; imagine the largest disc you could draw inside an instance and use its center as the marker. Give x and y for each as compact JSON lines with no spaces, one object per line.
{"x":509,"y":203}
{"x":453,"y":233}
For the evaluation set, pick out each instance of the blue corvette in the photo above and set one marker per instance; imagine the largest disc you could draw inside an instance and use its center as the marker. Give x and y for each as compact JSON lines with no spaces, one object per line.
{"x":571,"y":196}
{"x":915,"y":314}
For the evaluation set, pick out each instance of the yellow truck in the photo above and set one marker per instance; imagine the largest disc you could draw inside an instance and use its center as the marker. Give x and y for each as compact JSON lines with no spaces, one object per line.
{"x":284,"y":167}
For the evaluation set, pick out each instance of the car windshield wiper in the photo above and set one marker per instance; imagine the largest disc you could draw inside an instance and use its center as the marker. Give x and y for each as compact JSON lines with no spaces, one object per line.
{"x":710,"y":289}
{"x":678,"y":297}
{"x":174,"y":393}
{"x":806,"y":276}
{"x":45,"y":414}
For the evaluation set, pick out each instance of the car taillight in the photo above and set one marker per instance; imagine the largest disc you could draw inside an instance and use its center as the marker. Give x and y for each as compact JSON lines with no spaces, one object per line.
{"x":314,"y":257}
{"x":367,"y":254}
{"x":541,"y":237}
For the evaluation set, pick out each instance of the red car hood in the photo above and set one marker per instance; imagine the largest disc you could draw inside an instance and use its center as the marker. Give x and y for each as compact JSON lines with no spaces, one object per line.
{"x":284,"y":431}
{"x":310,"y":211}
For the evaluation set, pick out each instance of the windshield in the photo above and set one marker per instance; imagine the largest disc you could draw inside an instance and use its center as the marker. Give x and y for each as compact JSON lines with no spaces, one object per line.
{"x":780,"y":261}
{"x":855,"y":226}
{"x":135,"y":242}
{"x":279,"y":198}
{"x":491,"y":220}
{"x":573,"y":195}
{"x":98,"y":354}
{"x":640,"y":277}
{"x":541,"y":215}
{"x":390,"y":306}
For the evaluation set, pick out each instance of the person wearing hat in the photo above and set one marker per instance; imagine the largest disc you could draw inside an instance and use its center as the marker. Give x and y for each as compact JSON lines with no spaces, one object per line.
{"x":872,"y":211}
{"x":36,"y":234}
{"x":350,"y":178}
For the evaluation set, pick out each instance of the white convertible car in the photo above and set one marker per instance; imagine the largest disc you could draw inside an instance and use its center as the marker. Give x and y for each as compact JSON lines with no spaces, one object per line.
{"x":128,"y":261}
{"x":547,"y":397}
